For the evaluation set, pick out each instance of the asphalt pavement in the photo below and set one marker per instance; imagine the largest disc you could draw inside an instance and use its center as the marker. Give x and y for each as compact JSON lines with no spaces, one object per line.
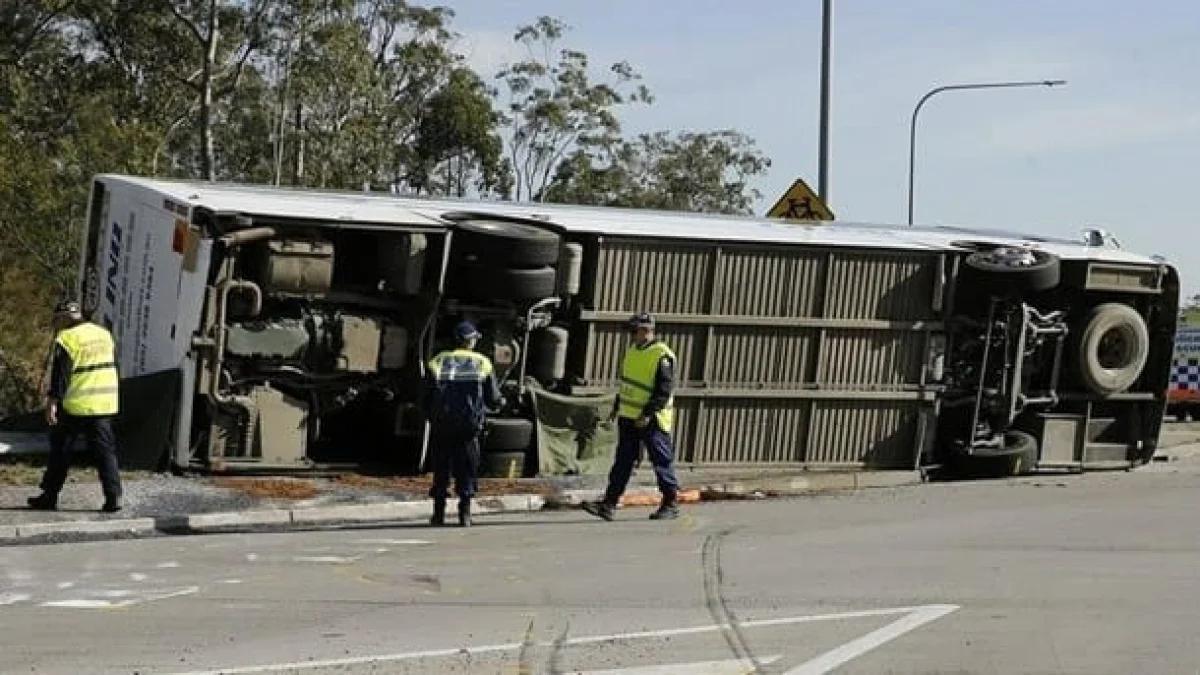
{"x":1094,"y":573}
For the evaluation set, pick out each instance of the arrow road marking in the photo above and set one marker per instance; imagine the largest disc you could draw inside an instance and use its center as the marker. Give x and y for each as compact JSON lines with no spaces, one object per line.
{"x":93,"y":603}
{"x":912,"y":618}
{"x":730,"y":667}
{"x":857,"y":647}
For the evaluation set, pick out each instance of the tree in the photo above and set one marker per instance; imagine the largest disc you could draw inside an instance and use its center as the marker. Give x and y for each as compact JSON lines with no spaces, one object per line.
{"x":331,"y":93}
{"x":699,"y":172}
{"x":456,"y":149}
{"x":554,"y":108}
{"x":372,"y":85}
{"x":213,"y":81}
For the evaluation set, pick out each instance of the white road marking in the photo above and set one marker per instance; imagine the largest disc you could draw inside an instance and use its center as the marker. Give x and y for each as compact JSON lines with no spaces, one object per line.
{"x":855,"y":648}
{"x":730,"y":667}
{"x":79,"y":604}
{"x":137,"y":576}
{"x":91,"y":603}
{"x":334,"y":559}
{"x":231,"y":581}
{"x":13,"y":598}
{"x":394,"y":542}
{"x":592,"y":639}
{"x":251,"y":557}
{"x":166,"y":565}
{"x":66,"y":584}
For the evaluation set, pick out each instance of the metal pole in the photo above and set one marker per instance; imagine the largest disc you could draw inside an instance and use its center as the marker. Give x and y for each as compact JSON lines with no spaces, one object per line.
{"x":912,"y":130}
{"x":823,"y":143}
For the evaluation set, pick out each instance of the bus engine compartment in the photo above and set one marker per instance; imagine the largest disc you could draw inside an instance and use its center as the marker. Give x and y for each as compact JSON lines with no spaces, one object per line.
{"x":314,"y":340}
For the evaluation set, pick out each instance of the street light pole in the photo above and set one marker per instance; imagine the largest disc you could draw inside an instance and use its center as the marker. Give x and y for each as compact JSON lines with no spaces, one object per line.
{"x":912,"y":132}
{"x":823,"y":142}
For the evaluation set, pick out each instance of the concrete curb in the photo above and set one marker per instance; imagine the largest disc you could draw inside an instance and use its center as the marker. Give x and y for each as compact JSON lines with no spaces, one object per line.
{"x":271,"y":519}
{"x":127,"y":526}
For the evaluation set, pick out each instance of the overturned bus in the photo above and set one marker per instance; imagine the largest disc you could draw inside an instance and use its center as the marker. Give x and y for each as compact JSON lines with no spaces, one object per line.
{"x":280,"y":329}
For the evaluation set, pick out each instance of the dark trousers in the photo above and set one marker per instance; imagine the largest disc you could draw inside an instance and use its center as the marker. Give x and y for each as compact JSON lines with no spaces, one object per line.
{"x":629,"y":449}
{"x":455,"y":452}
{"x":102,"y":443}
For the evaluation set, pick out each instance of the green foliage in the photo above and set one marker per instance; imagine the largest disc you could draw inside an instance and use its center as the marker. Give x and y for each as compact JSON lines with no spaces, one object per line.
{"x":699,"y":172}
{"x":328,"y":93}
{"x":555,"y":108}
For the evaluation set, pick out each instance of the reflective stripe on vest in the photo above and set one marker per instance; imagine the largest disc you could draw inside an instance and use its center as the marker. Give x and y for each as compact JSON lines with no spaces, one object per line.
{"x":638,"y":371}
{"x":460,"y":365}
{"x":93,"y":387}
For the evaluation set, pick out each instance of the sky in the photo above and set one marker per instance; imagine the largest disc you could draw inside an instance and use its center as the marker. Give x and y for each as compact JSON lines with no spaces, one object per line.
{"x":1115,"y":148}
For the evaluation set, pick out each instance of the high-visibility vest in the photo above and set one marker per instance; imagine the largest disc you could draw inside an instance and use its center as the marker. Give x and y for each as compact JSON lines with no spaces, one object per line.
{"x":92,"y":389}
{"x":638,"y":371}
{"x":460,"y":365}
{"x":460,"y":375}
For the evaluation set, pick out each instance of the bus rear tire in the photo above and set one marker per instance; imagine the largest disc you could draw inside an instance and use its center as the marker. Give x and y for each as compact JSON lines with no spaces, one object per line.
{"x":1016,"y":457}
{"x":506,"y":244}
{"x":507,"y":434}
{"x":1001,"y":271}
{"x":1114,"y":348}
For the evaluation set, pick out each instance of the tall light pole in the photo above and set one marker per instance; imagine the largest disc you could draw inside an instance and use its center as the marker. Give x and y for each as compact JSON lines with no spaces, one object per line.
{"x":912,"y":132}
{"x":823,"y":142}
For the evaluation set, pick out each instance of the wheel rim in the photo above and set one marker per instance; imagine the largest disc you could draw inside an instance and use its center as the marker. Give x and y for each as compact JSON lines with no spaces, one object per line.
{"x":1115,"y":349}
{"x":1011,"y":256}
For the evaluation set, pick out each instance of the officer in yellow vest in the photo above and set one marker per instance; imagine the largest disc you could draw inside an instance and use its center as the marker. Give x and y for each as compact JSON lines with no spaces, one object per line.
{"x":83,"y":399}
{"x":460,"y":387}
{"x":646,"y":415}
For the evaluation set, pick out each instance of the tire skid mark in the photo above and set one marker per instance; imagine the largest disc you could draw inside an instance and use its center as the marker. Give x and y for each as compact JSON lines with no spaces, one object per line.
{"x":718,"y":607}
{"x":528,"y":651}
{"x":556,"y":650}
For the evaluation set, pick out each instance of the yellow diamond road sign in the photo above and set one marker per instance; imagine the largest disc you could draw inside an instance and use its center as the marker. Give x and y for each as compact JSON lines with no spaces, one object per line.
{"x":800,"y":203}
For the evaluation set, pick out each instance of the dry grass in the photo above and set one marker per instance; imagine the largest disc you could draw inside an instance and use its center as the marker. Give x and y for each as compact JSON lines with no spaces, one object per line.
{"x":420,"y":484}
{"x":269,"y":488}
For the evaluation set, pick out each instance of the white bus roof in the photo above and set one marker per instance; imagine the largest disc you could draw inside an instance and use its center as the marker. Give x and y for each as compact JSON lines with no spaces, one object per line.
{"x":383,"y":208}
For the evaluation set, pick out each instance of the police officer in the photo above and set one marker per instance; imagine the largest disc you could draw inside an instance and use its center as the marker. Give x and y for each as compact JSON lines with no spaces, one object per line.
{"x":461,"y":384}
{"x":645,"y":412}
{"x":83,"y":399}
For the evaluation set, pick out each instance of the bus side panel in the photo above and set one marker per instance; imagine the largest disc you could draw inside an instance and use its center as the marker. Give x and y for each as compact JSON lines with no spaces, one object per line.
{"x":87,"y":279}
{"x":143,"y":272}
{"x":106,"y":279}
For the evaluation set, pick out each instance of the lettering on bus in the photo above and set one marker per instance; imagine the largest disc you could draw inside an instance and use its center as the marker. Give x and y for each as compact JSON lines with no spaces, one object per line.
{"x":110,"y":282}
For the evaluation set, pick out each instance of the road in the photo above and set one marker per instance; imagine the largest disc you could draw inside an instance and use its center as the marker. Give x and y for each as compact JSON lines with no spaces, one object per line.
{"x":1097,"y":573}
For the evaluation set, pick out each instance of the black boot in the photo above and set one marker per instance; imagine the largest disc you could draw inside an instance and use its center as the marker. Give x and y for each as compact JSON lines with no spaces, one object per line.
{"x":439,"y":513}
{"x":111,"y":505}
{"x":464,"y":512}
{"x":601,"y":509}
{"x":668,"y":509}
{"x":43,"y":502}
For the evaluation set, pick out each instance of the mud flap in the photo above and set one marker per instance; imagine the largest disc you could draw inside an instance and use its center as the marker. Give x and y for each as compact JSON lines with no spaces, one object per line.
{"x":146,"y":424}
